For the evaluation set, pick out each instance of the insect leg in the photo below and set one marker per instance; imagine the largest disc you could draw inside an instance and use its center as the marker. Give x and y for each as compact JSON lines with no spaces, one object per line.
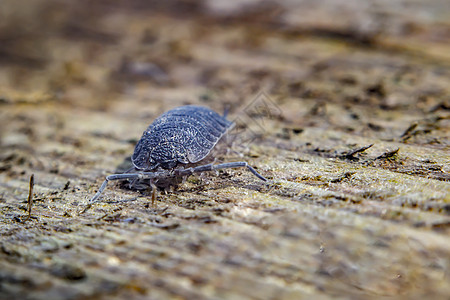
{"x":109,"y":178}
{"x":211,"y":167}
{"x":104,"y":184}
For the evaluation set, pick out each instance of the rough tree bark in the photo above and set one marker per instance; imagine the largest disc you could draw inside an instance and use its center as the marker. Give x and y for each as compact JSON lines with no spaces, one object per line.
{"x":342,"y":104}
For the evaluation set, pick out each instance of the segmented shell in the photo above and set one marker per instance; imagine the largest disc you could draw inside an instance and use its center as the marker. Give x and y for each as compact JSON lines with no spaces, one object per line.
{"x":186,"y":134}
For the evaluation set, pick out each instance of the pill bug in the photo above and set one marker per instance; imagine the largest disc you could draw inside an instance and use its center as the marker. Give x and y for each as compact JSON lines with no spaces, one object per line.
{"x":177,"y":139}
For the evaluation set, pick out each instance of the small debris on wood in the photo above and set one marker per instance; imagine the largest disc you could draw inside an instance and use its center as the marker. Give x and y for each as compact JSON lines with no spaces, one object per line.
{"x":409,"y":132}
{"x":30,"y":196}
{"x":374,"y":127}
{"x":388,"y":154}
{"x":351,"y":154}
{"x":440,"y":106}
{"x":66,"y":186}
{"x":410,"y":129}
{"x":346,"y":175}
{"x":85,"y":209}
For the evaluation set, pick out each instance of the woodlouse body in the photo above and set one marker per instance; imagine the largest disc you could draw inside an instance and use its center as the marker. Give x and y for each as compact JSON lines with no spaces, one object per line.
{"x":181,"y":136}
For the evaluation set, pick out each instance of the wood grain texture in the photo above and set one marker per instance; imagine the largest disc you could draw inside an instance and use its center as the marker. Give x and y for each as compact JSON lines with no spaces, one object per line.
{"x":343,"y":107}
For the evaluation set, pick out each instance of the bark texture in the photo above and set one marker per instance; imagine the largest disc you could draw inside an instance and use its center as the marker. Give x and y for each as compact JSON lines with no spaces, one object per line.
{"x":343,"y":105}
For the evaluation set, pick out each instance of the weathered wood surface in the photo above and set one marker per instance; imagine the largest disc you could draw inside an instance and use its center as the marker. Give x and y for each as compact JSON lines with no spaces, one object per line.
{"x":81,"y":80}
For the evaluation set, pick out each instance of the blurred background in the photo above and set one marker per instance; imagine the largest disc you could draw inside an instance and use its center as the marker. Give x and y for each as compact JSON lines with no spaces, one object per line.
{"x":91,"y":53}
{"x":343,"y":104}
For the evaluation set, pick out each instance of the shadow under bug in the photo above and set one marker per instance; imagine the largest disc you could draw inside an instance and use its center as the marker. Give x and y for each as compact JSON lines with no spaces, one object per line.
{"x":172,"y":144}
